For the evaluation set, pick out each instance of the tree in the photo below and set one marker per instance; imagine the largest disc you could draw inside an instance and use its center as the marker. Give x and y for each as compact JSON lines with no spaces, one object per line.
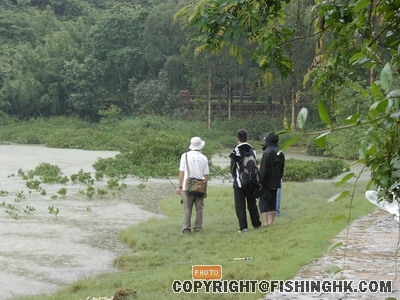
{"x":163,"y":37}
{"x":31,"y":83}
{"x":154,"y":96}
{"x":364,"y":35}
{"x":117,"y":41}
{"x":352,"y":36}
{"x":84,"y":87}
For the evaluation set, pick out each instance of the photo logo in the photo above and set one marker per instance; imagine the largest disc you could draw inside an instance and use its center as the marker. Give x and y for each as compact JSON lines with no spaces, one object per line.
{"x":206,"y":272}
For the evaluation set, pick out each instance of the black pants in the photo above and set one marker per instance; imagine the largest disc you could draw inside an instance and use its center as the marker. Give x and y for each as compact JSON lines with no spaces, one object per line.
{"x":243,"y":195}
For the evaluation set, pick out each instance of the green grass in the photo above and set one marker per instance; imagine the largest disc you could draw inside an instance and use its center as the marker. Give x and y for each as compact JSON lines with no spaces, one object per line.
{"x":161,"y":254}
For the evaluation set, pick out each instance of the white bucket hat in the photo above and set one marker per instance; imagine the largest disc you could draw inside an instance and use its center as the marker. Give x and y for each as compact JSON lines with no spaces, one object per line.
{"x":196,"y":143}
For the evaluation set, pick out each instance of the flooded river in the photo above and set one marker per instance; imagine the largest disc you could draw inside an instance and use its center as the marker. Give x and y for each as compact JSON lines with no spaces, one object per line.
{"x":41,"y":250}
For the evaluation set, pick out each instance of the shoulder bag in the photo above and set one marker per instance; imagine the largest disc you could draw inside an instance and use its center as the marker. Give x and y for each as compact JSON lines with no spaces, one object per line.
{"x":195,"y":186}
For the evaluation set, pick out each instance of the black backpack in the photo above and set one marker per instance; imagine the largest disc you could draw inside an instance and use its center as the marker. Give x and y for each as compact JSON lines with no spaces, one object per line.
{"x":248,"y":171}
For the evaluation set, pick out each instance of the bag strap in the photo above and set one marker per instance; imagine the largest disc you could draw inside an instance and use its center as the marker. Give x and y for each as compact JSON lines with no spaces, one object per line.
{"x":187,"y":165}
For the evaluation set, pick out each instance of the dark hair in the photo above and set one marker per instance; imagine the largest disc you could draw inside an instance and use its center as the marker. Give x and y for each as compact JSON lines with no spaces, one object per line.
{"x":241,"y":135}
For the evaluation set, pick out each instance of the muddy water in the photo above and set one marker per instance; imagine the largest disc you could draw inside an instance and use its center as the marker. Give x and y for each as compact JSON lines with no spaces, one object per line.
{"x":41,"y":252}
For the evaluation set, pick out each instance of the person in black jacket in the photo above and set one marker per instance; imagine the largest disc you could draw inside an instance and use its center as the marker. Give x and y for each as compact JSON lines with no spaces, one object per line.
{"x":271,"y":173}
{"x":243,"y":193}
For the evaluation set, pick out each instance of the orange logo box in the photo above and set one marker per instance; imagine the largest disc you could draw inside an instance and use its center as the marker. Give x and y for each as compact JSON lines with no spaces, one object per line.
{"x":206,"y":272}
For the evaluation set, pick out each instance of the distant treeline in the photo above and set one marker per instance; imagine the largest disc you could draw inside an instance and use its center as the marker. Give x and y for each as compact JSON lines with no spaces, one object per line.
{"x":77,"y":57}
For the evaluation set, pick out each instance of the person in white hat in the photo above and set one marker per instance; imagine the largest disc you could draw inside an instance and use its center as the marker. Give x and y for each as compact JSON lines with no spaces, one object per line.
{"x":192,"y":164}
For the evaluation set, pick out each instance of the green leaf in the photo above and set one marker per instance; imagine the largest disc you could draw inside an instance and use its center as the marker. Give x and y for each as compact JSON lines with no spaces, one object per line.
{"x":333,"y":247}
{"x":353,"y":119}
{"x":371,"y":149}
{"x":289,"y":142}
{"x":281,"y":132}
{"x":395,"y":115}
{"x":386,"y":79}
{"x":394,"y":94}
{"x":358,"y":58}
{"x":323,"y":113}
{"x":361,"y":5}
{"x":321,"y":140}
{"x":338,"y":196}
{"x":378,"y":107}
{"x":396,"y":164}
{"x":375,"y":90}
{"x":396,"y":174}
{"x":302,"y":117}
{"x":343,"y":178}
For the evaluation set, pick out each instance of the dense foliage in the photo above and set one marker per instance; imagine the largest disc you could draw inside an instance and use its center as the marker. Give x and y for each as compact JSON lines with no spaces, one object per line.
{"x":354,"y":72}
{"x":77,"y":57}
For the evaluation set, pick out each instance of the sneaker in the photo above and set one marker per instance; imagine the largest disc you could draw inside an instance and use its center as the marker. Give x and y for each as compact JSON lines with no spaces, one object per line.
{"x":243,"y":230}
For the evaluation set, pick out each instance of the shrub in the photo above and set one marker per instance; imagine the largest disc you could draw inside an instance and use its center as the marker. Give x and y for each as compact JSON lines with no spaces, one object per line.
{"x":299,"y":170}
{"x":87,"y":139}
{"x":341,"y":144}
{"x":344,"y":143}
{"x":329,"y":168}
{"x":155,"y":156}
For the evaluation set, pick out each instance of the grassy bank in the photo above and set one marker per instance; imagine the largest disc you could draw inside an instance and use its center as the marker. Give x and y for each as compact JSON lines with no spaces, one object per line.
{"x":161,"y":254}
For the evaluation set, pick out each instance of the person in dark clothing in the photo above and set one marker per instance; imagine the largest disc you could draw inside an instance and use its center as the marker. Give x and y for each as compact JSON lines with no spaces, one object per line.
{"x":271,"y":173}
{"x":243,"y":193}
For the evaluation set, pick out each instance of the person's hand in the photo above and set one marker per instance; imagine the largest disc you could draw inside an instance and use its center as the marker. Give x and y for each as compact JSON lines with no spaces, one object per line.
{"x":178,"y":190}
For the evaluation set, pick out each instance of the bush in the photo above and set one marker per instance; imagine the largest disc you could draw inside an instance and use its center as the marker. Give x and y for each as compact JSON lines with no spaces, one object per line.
{"x":330,"y":168}
{"x":155,"y":156}
{"x":344,"y":143}
{"x":87,"y":139}
{"x":299,"y":170}
{"x":341,"y":144}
